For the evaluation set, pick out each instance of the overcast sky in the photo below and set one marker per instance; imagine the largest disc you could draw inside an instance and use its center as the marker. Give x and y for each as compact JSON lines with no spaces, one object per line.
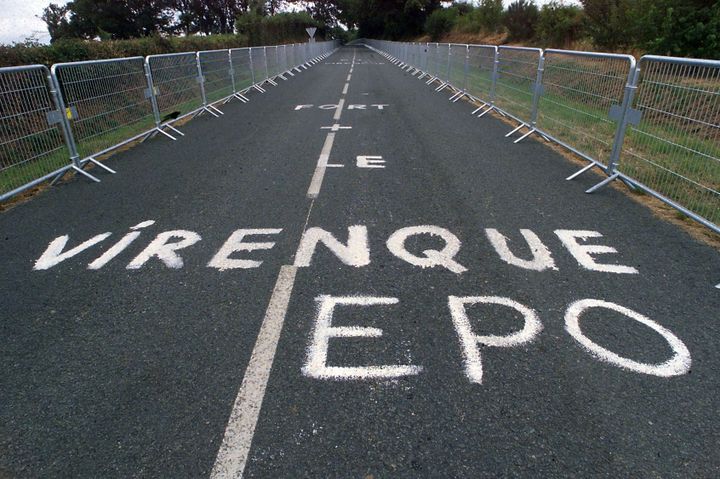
{"x":18,"y":19}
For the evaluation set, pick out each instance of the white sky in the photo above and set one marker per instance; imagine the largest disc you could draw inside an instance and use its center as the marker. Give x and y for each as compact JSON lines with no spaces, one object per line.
{"x":18,"y":19}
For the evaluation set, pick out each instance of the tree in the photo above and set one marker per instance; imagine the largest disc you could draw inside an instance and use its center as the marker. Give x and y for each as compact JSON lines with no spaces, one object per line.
{"x":108,"y":18}
{"x":521,"y":19}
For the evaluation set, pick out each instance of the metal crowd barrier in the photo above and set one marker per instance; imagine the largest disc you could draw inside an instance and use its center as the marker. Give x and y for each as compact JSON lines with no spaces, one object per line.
{"x":60,"y":119}
{"x":106,"y":102}
{"x":654,"y":126}
{"x":672,"y":146}
{"x":33,"y":128}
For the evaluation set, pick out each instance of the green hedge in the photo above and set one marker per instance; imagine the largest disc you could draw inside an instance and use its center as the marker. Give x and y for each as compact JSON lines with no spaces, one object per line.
{"x":78,"y":50}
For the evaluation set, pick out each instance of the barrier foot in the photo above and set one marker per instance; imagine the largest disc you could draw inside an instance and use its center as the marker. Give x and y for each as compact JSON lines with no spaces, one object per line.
{"x":297,"y":70}
{"x":491,"y":108}
{"x":432,"y":79}
{"x":457,"y":96}
{"x":532,"y":130}
{"x":603,"y":183}
{"x":516,"y":129}
{"x":85,"y":174}
{"x":580,"y":172}
{"x":441,"y":87}
{"x":207,"y":109}
{"x":257,"y":87}
{"x":97,"y":163}
{"x":271,"y":82}
{"x":158,"y":130}
{"x":57,"y":177}
{"x":169,"y":126}
{"x":289,"y":72}
{"x":240,"y":97}
{"x":422,"y":76}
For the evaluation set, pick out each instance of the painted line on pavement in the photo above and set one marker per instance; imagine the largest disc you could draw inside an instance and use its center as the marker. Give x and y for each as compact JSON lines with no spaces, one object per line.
{"x":235,"y":448}
{"x":316,"y":182}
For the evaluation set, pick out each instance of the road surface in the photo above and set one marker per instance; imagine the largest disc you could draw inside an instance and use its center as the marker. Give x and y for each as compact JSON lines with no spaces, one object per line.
{"x":350,"y":276}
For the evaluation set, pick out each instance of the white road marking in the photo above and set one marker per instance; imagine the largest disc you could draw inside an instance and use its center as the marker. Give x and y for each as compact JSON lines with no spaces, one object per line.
{"x":118,"y":247}
{"x":677,"y":365}
{"x":235,"y":448}
{"x":345,"y":89}
{"x":336,"y":127}
{"x":165,"y":251}
{"x":319,"y":174}
{"x":355,"y":253}
{"x":54,"y":253}
{"x":235,"y":243}
{"x":349,"y":77}
{"x":433,"y":257}
{"x":366,"y":161}
{"x":338,"y":109}
{"x":316,"y":364}
{"x":470,"y":341}
{"x":583,"y":252}
{"x":541,"y":257}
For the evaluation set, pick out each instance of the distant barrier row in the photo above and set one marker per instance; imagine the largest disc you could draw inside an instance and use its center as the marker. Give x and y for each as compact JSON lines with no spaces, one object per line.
{"x":654,"y":124}
{"x":59,"y":119}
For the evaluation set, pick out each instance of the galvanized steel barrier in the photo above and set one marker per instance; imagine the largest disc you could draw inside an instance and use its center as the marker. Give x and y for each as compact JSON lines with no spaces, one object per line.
{"x":654,"y":126}
{"x":60,"y":119}
{"x":33,"y":128}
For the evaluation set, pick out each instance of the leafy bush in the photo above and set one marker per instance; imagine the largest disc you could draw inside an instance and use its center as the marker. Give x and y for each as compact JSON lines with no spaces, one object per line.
{"x":520,"y":19}
{"x":440,"y":22}
{"x":77,"y":50}
{"x":559,"y":25}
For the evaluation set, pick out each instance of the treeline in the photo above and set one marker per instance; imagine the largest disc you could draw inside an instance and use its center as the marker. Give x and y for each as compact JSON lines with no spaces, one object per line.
{"x":665,"y":27}
{"x":96,"y":29}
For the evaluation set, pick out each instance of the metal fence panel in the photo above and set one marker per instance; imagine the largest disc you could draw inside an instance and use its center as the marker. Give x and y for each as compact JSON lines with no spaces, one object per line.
{"x":283,"y":63}
{"x":456,"y":66}
{"x":215,"y":71}
{"x":242,"y":71}
{"x":579,"y":91}
{"x":31,"y":137}
{"x":259,"y":64}
{"x":481,"y":68}
{"x":516,"y":74}
{"x":675,"y":148}
{"x":108,"y":100}
{"x":175,"y":78}
{"x":272,"y":61}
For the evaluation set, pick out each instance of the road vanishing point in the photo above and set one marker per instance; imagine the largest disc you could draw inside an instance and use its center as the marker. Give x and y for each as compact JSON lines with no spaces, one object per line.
{"x":350,"y":276}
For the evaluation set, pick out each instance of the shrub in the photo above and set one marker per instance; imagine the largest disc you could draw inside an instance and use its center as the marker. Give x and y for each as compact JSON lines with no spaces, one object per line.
{"x":521,"y":19}
{"x":559,"y":25}
{"x":440,"y":22}
{"x":77,"y":50}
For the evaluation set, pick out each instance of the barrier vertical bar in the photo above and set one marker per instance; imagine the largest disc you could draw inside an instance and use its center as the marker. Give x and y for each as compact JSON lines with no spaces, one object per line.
{"x":67,"y":129}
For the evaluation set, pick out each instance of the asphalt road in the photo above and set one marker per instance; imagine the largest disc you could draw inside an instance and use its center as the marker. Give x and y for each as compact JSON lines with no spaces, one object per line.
{"x":369,"y":355}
